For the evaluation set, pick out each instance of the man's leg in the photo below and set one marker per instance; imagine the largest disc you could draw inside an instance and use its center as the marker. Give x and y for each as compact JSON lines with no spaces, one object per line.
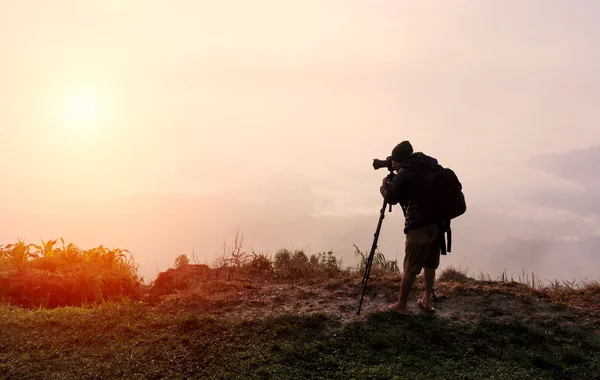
{"x":405,"y":287}
{"x":413,"y":262}
{"x":432,"y":261}
{"x":429,"y":280}
{"x":408,"y":280}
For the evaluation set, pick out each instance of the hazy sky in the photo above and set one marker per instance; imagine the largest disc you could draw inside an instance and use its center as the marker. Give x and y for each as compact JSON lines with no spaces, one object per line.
{"x":162,"y":126}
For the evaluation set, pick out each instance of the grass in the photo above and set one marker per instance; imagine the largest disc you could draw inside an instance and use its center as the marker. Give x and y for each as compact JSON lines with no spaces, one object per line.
{"x":115,"y":331}
{"x":135,"y":341}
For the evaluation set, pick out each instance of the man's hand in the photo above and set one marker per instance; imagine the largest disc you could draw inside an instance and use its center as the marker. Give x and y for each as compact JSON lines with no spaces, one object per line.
{"x":383,"y":189}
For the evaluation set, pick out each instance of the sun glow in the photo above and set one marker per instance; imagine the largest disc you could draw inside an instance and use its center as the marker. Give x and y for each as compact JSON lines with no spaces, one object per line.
{"x":82,"y":110}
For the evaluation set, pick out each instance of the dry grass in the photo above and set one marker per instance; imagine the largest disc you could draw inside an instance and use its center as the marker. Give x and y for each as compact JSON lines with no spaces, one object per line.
{"x":452,"y":274}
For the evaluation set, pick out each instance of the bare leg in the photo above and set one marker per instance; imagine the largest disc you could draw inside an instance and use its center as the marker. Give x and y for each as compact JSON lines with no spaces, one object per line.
{"x":429,"y":279}
{"x":405,"y":287}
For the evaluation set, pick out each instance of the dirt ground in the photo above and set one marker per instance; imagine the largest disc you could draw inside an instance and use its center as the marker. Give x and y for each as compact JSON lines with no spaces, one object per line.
{"x":251,"y":298}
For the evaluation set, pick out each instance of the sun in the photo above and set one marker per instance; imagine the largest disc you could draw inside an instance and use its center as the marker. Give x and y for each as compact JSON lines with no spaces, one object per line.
{"x":82,"y":110}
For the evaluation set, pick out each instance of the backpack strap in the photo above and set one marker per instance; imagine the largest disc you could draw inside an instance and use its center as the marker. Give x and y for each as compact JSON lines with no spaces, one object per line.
{"x":446,"y":232}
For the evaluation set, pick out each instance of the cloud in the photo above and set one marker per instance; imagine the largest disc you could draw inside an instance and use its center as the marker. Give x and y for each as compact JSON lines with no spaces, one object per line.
{"x":564,"y":259}
{"x":556,"y":223}
{"x":579,"y":166}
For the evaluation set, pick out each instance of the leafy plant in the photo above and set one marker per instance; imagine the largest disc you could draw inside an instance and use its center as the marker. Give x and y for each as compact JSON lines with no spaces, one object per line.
{"x":47,"y":275}
{"x":260,"y":262}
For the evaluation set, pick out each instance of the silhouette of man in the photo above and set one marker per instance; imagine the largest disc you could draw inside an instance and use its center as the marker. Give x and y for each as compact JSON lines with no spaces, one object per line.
{"x":422,"y":244}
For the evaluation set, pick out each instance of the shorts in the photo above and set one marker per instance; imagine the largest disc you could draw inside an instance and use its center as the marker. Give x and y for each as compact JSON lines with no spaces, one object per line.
{"x":422,"y":249}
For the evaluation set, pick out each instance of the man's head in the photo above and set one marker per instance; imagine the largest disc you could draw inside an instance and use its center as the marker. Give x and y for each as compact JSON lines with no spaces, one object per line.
{"x":401,"y":152}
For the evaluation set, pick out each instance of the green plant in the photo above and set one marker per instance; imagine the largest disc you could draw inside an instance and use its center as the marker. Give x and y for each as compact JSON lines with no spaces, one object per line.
{"x":59,"y":276}
{"x":292,"y":265}
{"x":380,"y":263}
{"x":326,"y":262}
{"x":282,"y":260}
{"x":260,"y":262}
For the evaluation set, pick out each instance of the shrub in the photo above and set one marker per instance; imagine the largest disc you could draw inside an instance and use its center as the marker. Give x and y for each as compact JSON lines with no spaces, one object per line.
{"x":326,"y":263}
{"x":291,"y":264}
{"x":282,"y":260}
{"x":260,"y":263}
{"x":296,"y":264}
{"x":181,"y":260}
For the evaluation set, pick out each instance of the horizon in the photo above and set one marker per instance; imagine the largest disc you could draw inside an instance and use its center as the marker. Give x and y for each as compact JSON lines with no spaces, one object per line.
{"x":161,"y":128}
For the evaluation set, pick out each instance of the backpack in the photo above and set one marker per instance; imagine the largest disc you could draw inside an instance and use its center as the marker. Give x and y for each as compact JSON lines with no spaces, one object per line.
{"x":442,"y":194}
{"x":443,"y":200}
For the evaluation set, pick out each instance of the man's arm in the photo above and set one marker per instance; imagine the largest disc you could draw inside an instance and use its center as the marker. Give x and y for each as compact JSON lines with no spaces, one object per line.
{"x":396,"y":190}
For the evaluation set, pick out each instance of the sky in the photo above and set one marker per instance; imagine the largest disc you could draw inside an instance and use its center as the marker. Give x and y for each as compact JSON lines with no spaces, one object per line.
{"x":163,"y":127}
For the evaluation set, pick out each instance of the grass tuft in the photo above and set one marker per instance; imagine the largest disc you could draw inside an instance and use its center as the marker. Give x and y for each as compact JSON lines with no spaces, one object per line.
{"x":452,"y":274}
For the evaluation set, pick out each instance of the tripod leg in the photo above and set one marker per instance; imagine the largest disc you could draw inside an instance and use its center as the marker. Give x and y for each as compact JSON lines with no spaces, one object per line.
{"x":371,"y":255}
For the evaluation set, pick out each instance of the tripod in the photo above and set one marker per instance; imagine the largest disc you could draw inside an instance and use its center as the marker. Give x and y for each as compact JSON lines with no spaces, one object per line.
{"x":372,"y":253}
{"x":367,"y":273}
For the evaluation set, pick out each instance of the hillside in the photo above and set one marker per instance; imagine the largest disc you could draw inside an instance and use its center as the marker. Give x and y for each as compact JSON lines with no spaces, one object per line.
{"x":271,"y":319}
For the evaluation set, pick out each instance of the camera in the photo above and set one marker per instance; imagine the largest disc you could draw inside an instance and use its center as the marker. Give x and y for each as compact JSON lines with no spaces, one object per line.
{"x":387,"y":163}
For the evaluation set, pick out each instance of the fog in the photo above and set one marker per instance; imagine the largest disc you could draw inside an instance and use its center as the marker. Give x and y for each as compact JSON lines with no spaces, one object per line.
{"x":209,"y":117}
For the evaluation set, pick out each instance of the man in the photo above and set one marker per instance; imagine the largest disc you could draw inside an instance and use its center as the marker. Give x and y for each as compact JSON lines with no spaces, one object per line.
{"x":422,"y":247}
